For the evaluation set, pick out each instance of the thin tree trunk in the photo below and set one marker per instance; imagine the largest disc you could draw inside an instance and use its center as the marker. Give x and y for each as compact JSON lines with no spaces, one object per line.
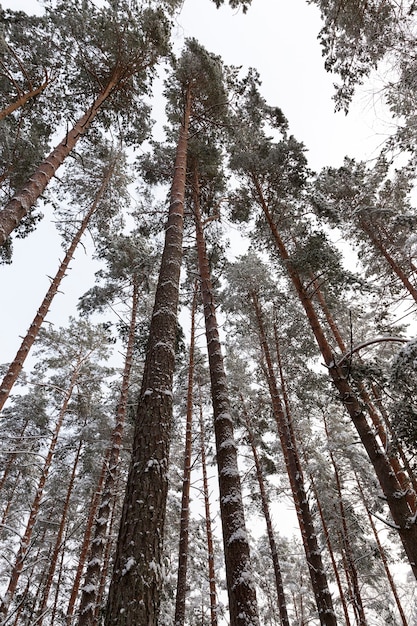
{"x":25,"y":541}
{"x":23,"y":201}
{"x":22,"y":99}
{"x":86,"y":540}
{"x":209,"y":532}
{"x":396,"y":268}
{"x":58,"y":582}
{"x":330,"y":549}
{"x":95,"y":564}
{"x":179,"y":618}
{"x":58,"y":540}
{"x":137,"y":576}
{"x":357,"y":598}
{"x":16,"y":366}
{"x":382,"y":554}
{"x":268,"y":520}
{"x":240,"y":584}
{"x":295,"y":474}
{"x":403,"y":516}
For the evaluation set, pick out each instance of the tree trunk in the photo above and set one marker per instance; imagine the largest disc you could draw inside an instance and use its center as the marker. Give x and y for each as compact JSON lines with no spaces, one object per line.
{"x":330,"y":549}
{"x":86,"y":540}
{"x":282,"y":605}
{"x":295,"y":474}
{"x":58,"y":540}
{"x":396,"y":268}
{"x":404,"y":518}
{"x":135,"y":588}
{"x":209,"y":532}
{"x":179,"y":618}
{"x":240,"y":584}
{"x":92,"y":576}
{"x":25,"y":541}
{"x":350,"y":560}
{"x":21,"y":204}
{"x":16,"y":366}
{"x":383,"y":555}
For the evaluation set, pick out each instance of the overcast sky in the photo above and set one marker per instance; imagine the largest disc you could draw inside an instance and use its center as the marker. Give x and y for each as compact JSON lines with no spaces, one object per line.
{"x":279,"y":39}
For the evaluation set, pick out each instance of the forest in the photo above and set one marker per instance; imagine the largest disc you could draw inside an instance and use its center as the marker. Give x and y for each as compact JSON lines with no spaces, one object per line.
{"x":224,"y":429}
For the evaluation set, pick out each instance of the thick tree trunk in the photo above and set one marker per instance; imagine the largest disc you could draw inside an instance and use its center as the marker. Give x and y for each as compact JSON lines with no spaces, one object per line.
{"x":295,"y":474}
{"x":135,"y":588}
{"x":16,"y":366}
{"x":405,"y":478}
{"x":25,"y":541}
{"x":209,"y":532}
{"x":179,"y":618}
{"x":282,"y":605}
{"x":240,"y":583}
{"x":86,"y":540}
{"x":22,"y":99}
{"x":92,"y":576}
{"x":23,"y":201}
{"x":58,"y":539}
{"x":404,"y":518}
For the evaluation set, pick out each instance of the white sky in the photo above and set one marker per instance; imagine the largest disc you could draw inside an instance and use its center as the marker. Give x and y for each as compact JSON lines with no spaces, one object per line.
{"x":279,"y":39}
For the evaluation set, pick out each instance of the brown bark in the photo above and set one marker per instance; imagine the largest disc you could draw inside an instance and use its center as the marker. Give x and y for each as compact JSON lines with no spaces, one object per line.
{"x":179,"y":618}
{"x":58,"y":539}
{"x":396,"y":268}
{"x":135,"y":588}
{"x":25,"y":541}
{"x":92,"y":576}
{"x":296,"y":478}
{"x":383,"y":555}
{"x":21,"y":204}
{"x":404,"y":518}
{"x":86,"y":540}
{"x":282,"y":605}
{"x":22,"y":99}
{"x":209,"y":531}
{"x":407,"y":481}
{"x":240,"y":584}
{"x":16,"y":366}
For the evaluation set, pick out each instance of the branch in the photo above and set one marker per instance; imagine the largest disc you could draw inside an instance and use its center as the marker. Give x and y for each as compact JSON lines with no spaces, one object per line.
{"x":365,"y":344}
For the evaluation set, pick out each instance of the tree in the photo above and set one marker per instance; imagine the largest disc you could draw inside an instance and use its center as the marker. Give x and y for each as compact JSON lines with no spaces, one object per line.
{"x":116,"y":55}
{"x":194,"y":92}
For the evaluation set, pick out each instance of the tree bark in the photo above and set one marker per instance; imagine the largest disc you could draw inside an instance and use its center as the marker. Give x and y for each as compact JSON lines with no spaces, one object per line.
{"x":86,"y":540}
{"x":209,"y":531}
{"x":240,"y":583}
{"x":282,"y":605}
{"x":58,"y":539}
{"x":22,"y":99}
{"x":318,"y":577}
{"x":179,"y":618}
{"x":21,"y":204}
{"x":92,"y":576}
{"x":17,"y":365}
{"x":135,"y":588}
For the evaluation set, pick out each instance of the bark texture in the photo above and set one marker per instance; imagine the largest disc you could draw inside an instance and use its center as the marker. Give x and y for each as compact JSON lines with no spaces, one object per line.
{"x":240,"y":584}
{"x":135,"y":588}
